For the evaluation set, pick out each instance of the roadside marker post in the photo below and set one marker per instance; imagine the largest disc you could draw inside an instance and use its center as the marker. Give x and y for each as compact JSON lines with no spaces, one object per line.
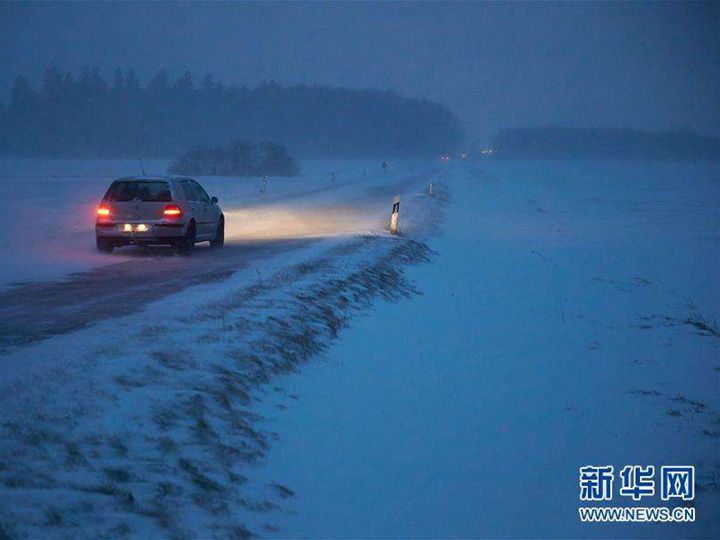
{"x":395,"y":215}
{"x":430,"y":189}
{"x":263,"y":188}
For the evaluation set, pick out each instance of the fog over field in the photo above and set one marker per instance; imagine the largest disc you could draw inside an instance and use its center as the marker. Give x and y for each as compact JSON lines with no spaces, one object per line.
{"x":359,"y":270}
{"x":639,"y":65}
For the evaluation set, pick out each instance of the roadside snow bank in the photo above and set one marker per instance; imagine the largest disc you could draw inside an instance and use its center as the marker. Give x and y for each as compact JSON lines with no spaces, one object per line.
{"x":555,"y":330}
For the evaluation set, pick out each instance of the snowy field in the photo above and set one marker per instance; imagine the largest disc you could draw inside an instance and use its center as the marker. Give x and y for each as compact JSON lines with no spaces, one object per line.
{"x":321,"y":378}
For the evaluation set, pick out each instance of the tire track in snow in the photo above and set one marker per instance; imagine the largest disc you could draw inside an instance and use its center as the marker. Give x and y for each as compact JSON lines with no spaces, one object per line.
{"x":35,"y":311}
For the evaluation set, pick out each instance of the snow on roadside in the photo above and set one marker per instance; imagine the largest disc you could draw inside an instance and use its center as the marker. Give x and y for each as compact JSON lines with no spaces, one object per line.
{"x":144,"y":424}
{"x":568,"y":319}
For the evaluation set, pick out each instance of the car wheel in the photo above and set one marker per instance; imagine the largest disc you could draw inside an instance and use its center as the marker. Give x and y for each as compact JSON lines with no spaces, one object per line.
{"x":219,"y":241}
{"x":104,"y":245}
{"x":186,"y":245}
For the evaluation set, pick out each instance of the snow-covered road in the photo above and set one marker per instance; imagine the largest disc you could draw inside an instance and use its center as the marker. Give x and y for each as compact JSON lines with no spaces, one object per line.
{"x":58,"y":239}
{"x":47,"y":208}
{"x":38,"y":310}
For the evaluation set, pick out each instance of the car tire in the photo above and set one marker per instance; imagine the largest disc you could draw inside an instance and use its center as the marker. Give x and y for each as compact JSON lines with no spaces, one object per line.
{"x":104,"y":245}
{"x":219,"y":241}
{"x":186,"y":245}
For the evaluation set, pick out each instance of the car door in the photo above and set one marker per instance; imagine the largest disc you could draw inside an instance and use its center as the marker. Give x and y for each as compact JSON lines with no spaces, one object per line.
{"x":192,"y":205}
{"x":207,"y":217}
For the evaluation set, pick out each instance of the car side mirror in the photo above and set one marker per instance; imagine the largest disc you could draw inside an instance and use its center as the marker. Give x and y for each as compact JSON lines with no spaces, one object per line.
{"x":213,"y":200}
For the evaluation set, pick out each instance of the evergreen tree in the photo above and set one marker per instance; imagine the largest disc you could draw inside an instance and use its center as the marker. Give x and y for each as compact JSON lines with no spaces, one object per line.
{"x":160,"y":83}
{"x":132,"y":83}
{"x":52,"y":84}
{"x":118,"y":80}
{"x":185,"y":83}
{"x":22,"y":97}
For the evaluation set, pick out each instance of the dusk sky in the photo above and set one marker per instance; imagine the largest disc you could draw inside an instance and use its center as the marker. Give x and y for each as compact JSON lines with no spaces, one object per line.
{"x":641,"y":65}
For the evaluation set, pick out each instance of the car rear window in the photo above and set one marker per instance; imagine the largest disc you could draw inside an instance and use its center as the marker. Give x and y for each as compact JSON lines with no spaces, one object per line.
{"x":145,"y":191}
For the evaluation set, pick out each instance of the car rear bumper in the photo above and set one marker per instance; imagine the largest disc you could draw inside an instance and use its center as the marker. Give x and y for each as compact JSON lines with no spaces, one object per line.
{"x":157,"y":233}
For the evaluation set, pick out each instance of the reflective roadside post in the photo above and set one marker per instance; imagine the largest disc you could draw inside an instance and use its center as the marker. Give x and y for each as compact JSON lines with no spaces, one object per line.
{"x":430,"y":189}
{"x":263,"y":188}
{"x":395,"y":215}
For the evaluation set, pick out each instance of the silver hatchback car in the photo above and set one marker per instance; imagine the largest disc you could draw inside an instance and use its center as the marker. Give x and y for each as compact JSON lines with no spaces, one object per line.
{"x":156,"y":210}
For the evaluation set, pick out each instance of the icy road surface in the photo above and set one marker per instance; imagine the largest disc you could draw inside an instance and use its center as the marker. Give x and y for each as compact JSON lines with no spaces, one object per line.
{"x":47,"y":228}
{"x":323,"y":379}
{"x":38,"y":310}
{"x":48,"y":208}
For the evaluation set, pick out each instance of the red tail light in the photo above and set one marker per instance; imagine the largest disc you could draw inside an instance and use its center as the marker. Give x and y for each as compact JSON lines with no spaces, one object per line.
{"x":103,"y":211}
{"x":172,"y":210}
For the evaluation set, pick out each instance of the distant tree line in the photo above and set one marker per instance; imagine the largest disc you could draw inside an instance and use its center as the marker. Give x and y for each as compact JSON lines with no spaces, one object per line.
{"x":83,"y":115}
{"x":559,"y":142}
{"x":240,"y":158}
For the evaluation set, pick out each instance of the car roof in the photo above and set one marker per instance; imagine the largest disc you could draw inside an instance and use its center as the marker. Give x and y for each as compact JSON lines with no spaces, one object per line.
{"x":153,"y":178}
